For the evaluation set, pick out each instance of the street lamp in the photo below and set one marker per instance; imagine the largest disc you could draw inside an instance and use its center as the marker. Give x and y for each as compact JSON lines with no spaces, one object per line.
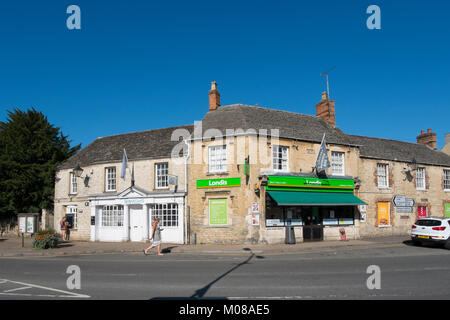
{"x":78,"y":171}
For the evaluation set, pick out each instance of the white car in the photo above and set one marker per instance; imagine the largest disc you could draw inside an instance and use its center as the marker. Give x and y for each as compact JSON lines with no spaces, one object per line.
{"x":431,"y":230}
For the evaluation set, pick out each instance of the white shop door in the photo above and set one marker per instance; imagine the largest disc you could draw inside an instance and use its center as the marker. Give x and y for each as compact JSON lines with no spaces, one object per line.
{"x":137,"y":221}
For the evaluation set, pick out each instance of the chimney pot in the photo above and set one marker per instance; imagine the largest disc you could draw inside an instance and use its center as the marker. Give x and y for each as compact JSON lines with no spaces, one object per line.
{"x":325,"y":109}
{"x":214,"y":97}
{"x":428,"y":138}
{"x":447,"y":138}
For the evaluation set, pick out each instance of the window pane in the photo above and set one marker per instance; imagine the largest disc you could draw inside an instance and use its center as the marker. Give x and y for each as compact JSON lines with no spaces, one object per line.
{"x":280,"y":158}
{"x":447,"y":179}
{"x":167,"y":213}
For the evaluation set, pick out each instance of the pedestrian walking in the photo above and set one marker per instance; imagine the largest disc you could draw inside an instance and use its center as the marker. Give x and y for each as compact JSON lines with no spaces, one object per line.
{"x":63,"y":226}
{"x":155,"y":238}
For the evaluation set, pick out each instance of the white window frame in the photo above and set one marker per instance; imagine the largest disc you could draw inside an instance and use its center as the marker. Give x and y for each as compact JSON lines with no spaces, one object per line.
{"x":421,"y":186}
{"x":73,"y":210}
{"x":386,"y":175}
{"x":110,"y":179}
{"x":112,"y":216}
{"x":73,"y":186}
{"x":217,"y":159}
{"x":168,"y":214}
{"x":337,"y":160}
{"x":446,"y":179}
{"x":276,"y":160}
{"x":162,"y":175}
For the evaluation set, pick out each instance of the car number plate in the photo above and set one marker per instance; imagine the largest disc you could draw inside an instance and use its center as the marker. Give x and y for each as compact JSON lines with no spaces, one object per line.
{"x":423,"y":237}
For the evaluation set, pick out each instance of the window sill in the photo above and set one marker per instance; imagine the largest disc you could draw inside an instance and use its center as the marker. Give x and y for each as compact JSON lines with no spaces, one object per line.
{"x":384,"y":188}
{"x":421,"y":190}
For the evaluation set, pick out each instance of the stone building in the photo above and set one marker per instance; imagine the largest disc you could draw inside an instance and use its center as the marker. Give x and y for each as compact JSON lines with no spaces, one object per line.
{"x":103,"y":206}
{"x":246,"y":174}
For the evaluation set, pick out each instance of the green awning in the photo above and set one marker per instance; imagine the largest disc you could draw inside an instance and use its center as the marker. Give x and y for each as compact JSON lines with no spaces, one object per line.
{"x":292,"y":198}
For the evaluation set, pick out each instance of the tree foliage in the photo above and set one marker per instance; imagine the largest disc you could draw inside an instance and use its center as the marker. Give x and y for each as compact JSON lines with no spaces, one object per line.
{"x":30,"y":150}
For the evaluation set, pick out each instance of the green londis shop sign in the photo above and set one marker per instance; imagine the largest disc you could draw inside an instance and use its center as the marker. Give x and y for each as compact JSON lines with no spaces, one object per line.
{"x":310,"y":184}
{"x":219,"y":183}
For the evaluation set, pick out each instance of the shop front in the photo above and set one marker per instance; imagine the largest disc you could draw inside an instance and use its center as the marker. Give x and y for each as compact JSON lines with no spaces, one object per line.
{"x":319,"y":209}
{"x":128,"y":216}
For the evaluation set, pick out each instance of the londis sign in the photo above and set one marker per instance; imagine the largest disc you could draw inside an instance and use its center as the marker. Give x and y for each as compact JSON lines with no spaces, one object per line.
{"x":310,"y":184}
{"x":219,"y":183}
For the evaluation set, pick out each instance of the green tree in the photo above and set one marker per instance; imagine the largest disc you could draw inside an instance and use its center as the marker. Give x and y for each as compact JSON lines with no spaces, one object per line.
{"x":30,"y":150}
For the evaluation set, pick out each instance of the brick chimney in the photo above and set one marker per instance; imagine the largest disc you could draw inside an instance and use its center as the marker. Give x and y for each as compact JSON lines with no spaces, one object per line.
{"x":214,"y":97}
{"x":428,"y":138}
{"x":325,"y":109}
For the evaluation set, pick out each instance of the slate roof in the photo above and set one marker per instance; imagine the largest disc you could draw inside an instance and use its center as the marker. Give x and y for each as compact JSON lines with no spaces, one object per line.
{"x":291,"y":125}
{"x":157,"y":143}
{"x":139,"y":145}
{"x":378,"y":148}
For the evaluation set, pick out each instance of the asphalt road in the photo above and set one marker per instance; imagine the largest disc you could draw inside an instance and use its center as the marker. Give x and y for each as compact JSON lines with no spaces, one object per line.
{"x":406,"y":272}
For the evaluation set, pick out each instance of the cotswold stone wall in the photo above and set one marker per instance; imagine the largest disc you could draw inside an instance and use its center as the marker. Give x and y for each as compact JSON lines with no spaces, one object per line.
{"x":433,"y":197}
{"x":144,"y":173}
{"x":302,"y":157}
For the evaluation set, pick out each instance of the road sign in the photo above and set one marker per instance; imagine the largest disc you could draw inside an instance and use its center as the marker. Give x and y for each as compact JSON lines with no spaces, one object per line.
{"x":402,"y":201}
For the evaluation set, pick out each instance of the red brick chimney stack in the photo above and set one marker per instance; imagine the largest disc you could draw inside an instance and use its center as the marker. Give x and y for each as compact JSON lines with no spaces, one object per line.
{"x":428,"y":138}
{"x":325,"y":109}
{"x":214,"y":97}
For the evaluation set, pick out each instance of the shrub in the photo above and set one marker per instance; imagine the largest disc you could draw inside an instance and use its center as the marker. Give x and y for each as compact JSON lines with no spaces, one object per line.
{"x":45,"y":239}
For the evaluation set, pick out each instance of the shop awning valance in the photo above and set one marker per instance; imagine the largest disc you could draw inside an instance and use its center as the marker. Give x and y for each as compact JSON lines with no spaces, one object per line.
{"x":293,"y":198}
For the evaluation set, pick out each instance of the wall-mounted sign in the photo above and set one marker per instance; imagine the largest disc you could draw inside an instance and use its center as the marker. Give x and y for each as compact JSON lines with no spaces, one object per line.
{"x":218,"y":214}
{"x":219,"y":183}
{"x":422,"y":212}
{"x":133,"y":201}
{"x":363,"y":212}
{"x":310,"y":184}
{"x":383,"y":218}
{"x":447,"y":210}
{"x":402,"y":201}
{"x":255,"y":207}
{"x":255,"y":219}
{"x":404,"y":209}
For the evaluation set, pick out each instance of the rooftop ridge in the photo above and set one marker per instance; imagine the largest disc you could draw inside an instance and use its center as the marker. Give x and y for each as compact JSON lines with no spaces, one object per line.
{"x":359,"y":136}
{"x":271,"y":109}
{"x":142,"y":131}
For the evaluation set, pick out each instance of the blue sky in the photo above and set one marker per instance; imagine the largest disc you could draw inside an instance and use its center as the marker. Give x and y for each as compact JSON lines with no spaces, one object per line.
{"x":138,"y":65}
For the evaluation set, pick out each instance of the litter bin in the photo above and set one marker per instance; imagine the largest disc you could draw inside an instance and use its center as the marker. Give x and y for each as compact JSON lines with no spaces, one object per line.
{"x":290,"y":235}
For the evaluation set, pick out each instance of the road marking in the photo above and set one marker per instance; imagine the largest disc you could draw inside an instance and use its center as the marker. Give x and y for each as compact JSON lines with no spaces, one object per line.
{"x":63,"y":294}
{"x":16,"y":289}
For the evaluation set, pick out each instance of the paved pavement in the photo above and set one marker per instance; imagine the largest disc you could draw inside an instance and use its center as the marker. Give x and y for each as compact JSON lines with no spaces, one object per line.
{"x":12,"y":247}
